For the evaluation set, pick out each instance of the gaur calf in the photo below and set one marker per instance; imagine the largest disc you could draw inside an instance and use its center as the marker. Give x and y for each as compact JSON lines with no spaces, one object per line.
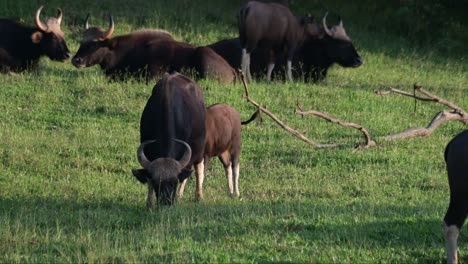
{"x":223,"y":140}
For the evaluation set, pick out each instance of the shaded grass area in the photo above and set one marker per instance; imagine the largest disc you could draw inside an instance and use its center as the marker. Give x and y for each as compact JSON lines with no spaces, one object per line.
{"x":68,"y":139}
{"x":222,"y":232}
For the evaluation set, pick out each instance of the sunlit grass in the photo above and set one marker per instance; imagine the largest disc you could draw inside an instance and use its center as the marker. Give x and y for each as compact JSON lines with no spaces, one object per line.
{"x":68,"y":139}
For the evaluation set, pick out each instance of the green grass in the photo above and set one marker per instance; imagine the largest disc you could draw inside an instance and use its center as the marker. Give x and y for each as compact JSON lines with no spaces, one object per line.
{"x":68,"y":139}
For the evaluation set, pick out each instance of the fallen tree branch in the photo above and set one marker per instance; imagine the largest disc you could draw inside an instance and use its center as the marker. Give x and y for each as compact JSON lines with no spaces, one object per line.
{"x":278,"y":121}
{"x":439,"y":100}
{"x":457,"y":114}
{"x":398,"y":91}
{"x":427,"y":131}
{"x":369,"y":141}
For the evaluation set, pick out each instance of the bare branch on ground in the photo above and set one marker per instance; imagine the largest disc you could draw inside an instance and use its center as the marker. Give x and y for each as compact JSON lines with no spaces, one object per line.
{"x":278,"y":121}
{"x":369,"y":141}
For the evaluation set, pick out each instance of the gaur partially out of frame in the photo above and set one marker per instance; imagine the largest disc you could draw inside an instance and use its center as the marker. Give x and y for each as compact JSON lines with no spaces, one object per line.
{"x":456,"y":158}
{"x":21,"y":46}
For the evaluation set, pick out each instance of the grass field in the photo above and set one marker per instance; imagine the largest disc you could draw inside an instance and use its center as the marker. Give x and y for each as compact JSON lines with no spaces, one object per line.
{"x":68,"y":139}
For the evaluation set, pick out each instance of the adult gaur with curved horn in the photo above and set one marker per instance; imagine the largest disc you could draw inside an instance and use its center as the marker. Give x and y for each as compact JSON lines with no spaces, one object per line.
{"x":147,"y":164}
{"x":53,"y":23}
{"x":316,"y":56}
{"x":162,"y":173}
{"x":311,"y":60}
{"x":25,"y":45}
{"x":148,"y":54}
{"x":172,"y":136}
{"x":121,"y":56}
{"x":273,"y":27}
{"x":336,"y":32}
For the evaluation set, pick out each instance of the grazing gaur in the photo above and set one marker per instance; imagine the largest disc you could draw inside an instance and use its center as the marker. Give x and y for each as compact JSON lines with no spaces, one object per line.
{"x":223,"y":140}
{"x":456,"y":158}
{"x":172,"y":136}
{"x":274,"y":28}
{"x":312,"y":59}
{"x":148,"y":54}
{"x":22,"y":46}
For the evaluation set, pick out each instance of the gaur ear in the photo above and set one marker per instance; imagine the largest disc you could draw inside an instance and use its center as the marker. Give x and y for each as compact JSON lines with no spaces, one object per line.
{"x":36,"y":37}
{"x":184,"y":174}
{"x":321,"y":34}
{"x":309,"y":19}
{"x":103,"y":43}
{"x":141,"y":175}
{"x":302,"y":21}
{"x":111,"y":43}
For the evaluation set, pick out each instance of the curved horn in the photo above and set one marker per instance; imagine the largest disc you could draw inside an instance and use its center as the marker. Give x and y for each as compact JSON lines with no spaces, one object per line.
{"x":325,"y":27}
{"x":144,"y":161}
{"x":59,"y":16}
{"x":187,"y":154}
{"x":86,"y":24}
{"x":109,"y":32}
{"x":341,"y":22}
{"x":38,"y":21}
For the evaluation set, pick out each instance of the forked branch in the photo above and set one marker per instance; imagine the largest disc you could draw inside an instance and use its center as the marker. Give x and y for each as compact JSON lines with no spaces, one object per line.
{"x":439,"y":100}
{"x":457,"y":113}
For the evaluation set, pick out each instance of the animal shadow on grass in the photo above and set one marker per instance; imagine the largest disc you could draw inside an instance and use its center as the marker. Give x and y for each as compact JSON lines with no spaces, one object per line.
{"x":70,"y":213}
{"x":396,"y":227}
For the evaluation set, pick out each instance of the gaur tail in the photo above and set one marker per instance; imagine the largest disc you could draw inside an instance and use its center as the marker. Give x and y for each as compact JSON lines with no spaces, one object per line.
{"x":253,"y":117}
{"x":241,"y":16}
{"x":446,"y":152}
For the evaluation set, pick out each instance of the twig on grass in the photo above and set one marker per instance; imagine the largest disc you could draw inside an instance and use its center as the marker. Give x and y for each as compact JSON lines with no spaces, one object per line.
{"x":439,"y":100}
{"x":278,"y":121}
{"x":369,"y":141}
{"x":398,"y":91}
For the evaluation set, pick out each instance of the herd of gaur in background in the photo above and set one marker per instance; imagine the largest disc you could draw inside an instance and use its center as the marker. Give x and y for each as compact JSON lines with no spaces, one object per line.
{"x":177,"y":131}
